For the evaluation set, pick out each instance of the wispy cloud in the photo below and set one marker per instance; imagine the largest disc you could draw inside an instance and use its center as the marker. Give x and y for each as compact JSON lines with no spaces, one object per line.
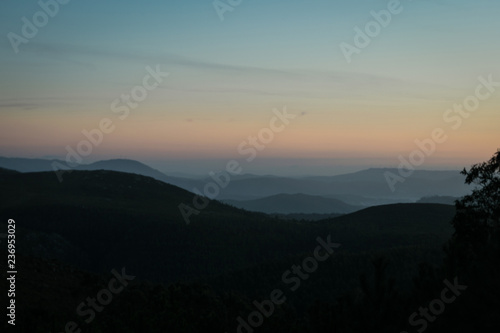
{"x":244,"y":79}
{"x":69,"y":50}
{"x":33,"y":103}
{"x":19,"y":105}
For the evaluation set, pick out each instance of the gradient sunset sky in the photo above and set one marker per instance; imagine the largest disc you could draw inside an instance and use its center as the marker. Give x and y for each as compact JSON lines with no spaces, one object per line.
{"x":227,"y":76}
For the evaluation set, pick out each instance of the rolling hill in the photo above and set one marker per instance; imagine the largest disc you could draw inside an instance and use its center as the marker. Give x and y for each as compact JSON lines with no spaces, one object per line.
{"x":121,"y":165}
{"x":445,"y":200}
{"x":295,"y":203}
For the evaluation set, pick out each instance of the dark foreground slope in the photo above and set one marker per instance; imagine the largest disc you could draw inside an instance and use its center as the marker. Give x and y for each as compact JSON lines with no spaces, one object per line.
{"x":103,"y":219}
{"x":395,"y":225}
{"x":97,"y":221}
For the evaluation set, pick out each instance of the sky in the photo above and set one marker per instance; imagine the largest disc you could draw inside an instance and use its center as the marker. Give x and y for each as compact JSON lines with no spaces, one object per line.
{"x":361,"y":91}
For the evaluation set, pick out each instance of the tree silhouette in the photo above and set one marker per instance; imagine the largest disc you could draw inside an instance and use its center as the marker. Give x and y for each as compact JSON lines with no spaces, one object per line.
{"x":474,"y":251}
{"x":477,"y":219}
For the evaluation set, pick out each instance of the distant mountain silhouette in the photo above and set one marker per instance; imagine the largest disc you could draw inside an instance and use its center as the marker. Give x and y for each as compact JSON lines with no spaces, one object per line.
{"x":27,"y":164}
{"x":295,"y":203}
{"x":363,"y":188}
{"x":121,"y":165}
{"x":377,"y":175}
{"x":369,"y":184}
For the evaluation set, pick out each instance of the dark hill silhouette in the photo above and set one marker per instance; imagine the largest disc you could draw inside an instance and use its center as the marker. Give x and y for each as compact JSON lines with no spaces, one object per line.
{"x":413,"y":219}
{"x":295,"y":203}
{"x":122,"y":165}
{"x":7,"y":171}
{"x":397,"y":224}
{"x":132,"y":166}
{"x":446,"y":200}
{"x":27,"y":164}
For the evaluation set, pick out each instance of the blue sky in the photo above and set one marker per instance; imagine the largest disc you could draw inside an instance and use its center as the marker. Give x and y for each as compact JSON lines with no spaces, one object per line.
{"x":226,"y":76}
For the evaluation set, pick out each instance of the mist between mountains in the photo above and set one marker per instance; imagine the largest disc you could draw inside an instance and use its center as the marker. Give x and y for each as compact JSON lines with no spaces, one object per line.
{"x":250,"y":148}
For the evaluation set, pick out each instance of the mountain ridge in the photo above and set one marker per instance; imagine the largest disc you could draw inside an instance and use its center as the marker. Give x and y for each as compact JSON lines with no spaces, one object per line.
{"x":366,"y":187}
{"x":295,"y":203}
